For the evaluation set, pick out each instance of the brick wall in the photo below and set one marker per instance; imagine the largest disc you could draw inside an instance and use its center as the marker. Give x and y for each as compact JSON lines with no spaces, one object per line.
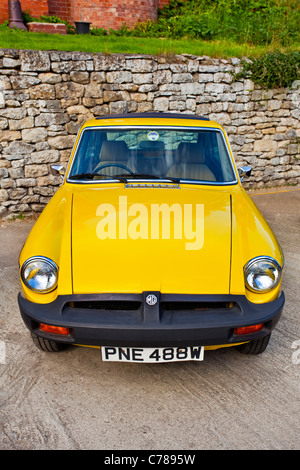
{"x":105,"y":13}
{"x":3,"y":11}
{"x":34,"y":7}
{"x":61,"y":8}
{"x":102,"y":13}
{"x":163,"y":3}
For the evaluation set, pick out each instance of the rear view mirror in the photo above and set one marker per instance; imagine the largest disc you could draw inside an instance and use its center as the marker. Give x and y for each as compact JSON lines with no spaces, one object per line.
{"x":57,"y":170}
{"x":244,"y":171}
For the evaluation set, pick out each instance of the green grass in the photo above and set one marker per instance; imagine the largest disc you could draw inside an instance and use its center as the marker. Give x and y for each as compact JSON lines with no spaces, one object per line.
{"x":13,"y":39}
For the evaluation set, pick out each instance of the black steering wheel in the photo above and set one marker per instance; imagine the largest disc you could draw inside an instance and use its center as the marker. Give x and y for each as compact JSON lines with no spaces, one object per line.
{"x":118,"y":165}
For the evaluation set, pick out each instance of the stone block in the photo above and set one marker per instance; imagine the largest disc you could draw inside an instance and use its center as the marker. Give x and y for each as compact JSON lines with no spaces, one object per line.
{"x":38,"y":134}
{"x":35,"y":61}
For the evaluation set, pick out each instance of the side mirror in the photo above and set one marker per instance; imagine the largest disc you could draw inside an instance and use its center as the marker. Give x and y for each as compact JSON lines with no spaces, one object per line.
{"x":244,"y":171}
{"x":57,"y":170}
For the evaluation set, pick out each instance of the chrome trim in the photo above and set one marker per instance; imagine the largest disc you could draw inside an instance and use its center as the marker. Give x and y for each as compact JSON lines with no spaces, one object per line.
{"x":57,"y":170}
{"x":47,"y":261}
{"x":68,"y":179}
{"x":148,"y":180}
{"x":262,"y":258}
{"x":152,"y":185}
{"x":232,"y":159}
{"x":244,"y":171}
{"x":72,"y":150}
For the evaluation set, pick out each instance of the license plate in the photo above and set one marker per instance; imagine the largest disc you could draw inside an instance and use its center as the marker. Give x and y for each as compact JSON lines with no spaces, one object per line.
{"x":154,"y":355}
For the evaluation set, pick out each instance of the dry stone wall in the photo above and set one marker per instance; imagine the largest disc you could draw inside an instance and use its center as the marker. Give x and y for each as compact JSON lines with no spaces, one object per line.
{"x":46,"y":96}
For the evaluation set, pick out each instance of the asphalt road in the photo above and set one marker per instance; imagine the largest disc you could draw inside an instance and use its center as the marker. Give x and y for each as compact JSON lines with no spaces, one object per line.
{"x":73,"y":400}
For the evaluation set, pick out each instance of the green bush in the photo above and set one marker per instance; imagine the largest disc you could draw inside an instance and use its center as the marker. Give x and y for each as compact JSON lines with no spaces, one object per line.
{"x":273,"y":70}
{"x":254,"y":22}
{"x":244,"y":21}
{"x":98,"y":32}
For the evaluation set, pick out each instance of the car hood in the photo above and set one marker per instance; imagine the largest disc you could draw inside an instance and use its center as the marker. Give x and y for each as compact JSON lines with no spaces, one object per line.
{"x":135,"y":239}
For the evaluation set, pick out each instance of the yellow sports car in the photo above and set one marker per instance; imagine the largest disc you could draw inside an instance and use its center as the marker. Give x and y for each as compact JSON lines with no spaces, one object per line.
{"x":151,"y":250}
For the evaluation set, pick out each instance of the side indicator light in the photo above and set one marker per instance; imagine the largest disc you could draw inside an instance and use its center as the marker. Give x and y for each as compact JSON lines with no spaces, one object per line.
{"x":244,"y":330}
{"x":58,"y":330}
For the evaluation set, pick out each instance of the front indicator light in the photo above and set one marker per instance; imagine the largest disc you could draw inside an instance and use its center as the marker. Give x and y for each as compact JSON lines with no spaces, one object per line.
{"x":39,"y":274}
{"x":262,"y":274}
{"x":245,"y":330}
{"x":58,"y":330}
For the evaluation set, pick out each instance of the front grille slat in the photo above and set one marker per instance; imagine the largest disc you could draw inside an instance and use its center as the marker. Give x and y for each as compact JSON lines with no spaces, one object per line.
{"x":105,"y":305}
{"x":195,"y":306}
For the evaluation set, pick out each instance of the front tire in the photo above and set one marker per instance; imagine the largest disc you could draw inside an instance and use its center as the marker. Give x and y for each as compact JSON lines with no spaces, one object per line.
{"x":255,"y":347}
{"x":47,"y":345}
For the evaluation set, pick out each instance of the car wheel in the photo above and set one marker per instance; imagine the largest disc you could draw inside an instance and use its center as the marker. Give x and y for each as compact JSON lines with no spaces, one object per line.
{"x":47,"y":344}
{"x":257,"y":346}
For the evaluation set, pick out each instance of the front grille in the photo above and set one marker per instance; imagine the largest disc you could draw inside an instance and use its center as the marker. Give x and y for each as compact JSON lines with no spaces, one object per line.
{"x":130,"y":305}
{"x":105,"y":305}
{"x":195,"y":306}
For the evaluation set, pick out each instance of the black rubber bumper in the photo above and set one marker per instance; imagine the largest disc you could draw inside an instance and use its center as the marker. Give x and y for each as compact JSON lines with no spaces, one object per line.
{"x":174,"y":320}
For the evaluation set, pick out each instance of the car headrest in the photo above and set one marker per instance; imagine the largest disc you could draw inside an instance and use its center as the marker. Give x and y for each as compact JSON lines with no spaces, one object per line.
{"x":190,"y":153}
{"x":114,"y":151}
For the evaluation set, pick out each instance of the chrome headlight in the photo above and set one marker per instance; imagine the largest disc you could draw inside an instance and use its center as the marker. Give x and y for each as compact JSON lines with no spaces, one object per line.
{"x":39,"y":274}
{"x":262,"y":274}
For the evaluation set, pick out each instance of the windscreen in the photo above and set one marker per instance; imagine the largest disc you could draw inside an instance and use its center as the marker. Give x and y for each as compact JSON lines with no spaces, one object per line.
{"x":183,"y":154}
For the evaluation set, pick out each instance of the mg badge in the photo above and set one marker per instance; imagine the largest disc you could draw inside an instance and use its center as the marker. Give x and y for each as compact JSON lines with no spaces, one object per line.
{"x":151,"y":299}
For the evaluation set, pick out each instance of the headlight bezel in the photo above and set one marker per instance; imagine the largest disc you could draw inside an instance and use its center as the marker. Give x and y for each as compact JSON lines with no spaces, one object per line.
{"x":50,"y":263}
{"x":251,"y":263}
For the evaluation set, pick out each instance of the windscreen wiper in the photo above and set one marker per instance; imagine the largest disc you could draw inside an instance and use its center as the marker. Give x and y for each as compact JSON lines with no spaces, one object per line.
{"x":91,"y":176}
{"x":148,"y":176}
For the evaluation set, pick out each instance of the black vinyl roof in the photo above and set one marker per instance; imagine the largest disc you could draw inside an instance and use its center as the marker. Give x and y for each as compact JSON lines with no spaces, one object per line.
{"x":154,"y":115}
